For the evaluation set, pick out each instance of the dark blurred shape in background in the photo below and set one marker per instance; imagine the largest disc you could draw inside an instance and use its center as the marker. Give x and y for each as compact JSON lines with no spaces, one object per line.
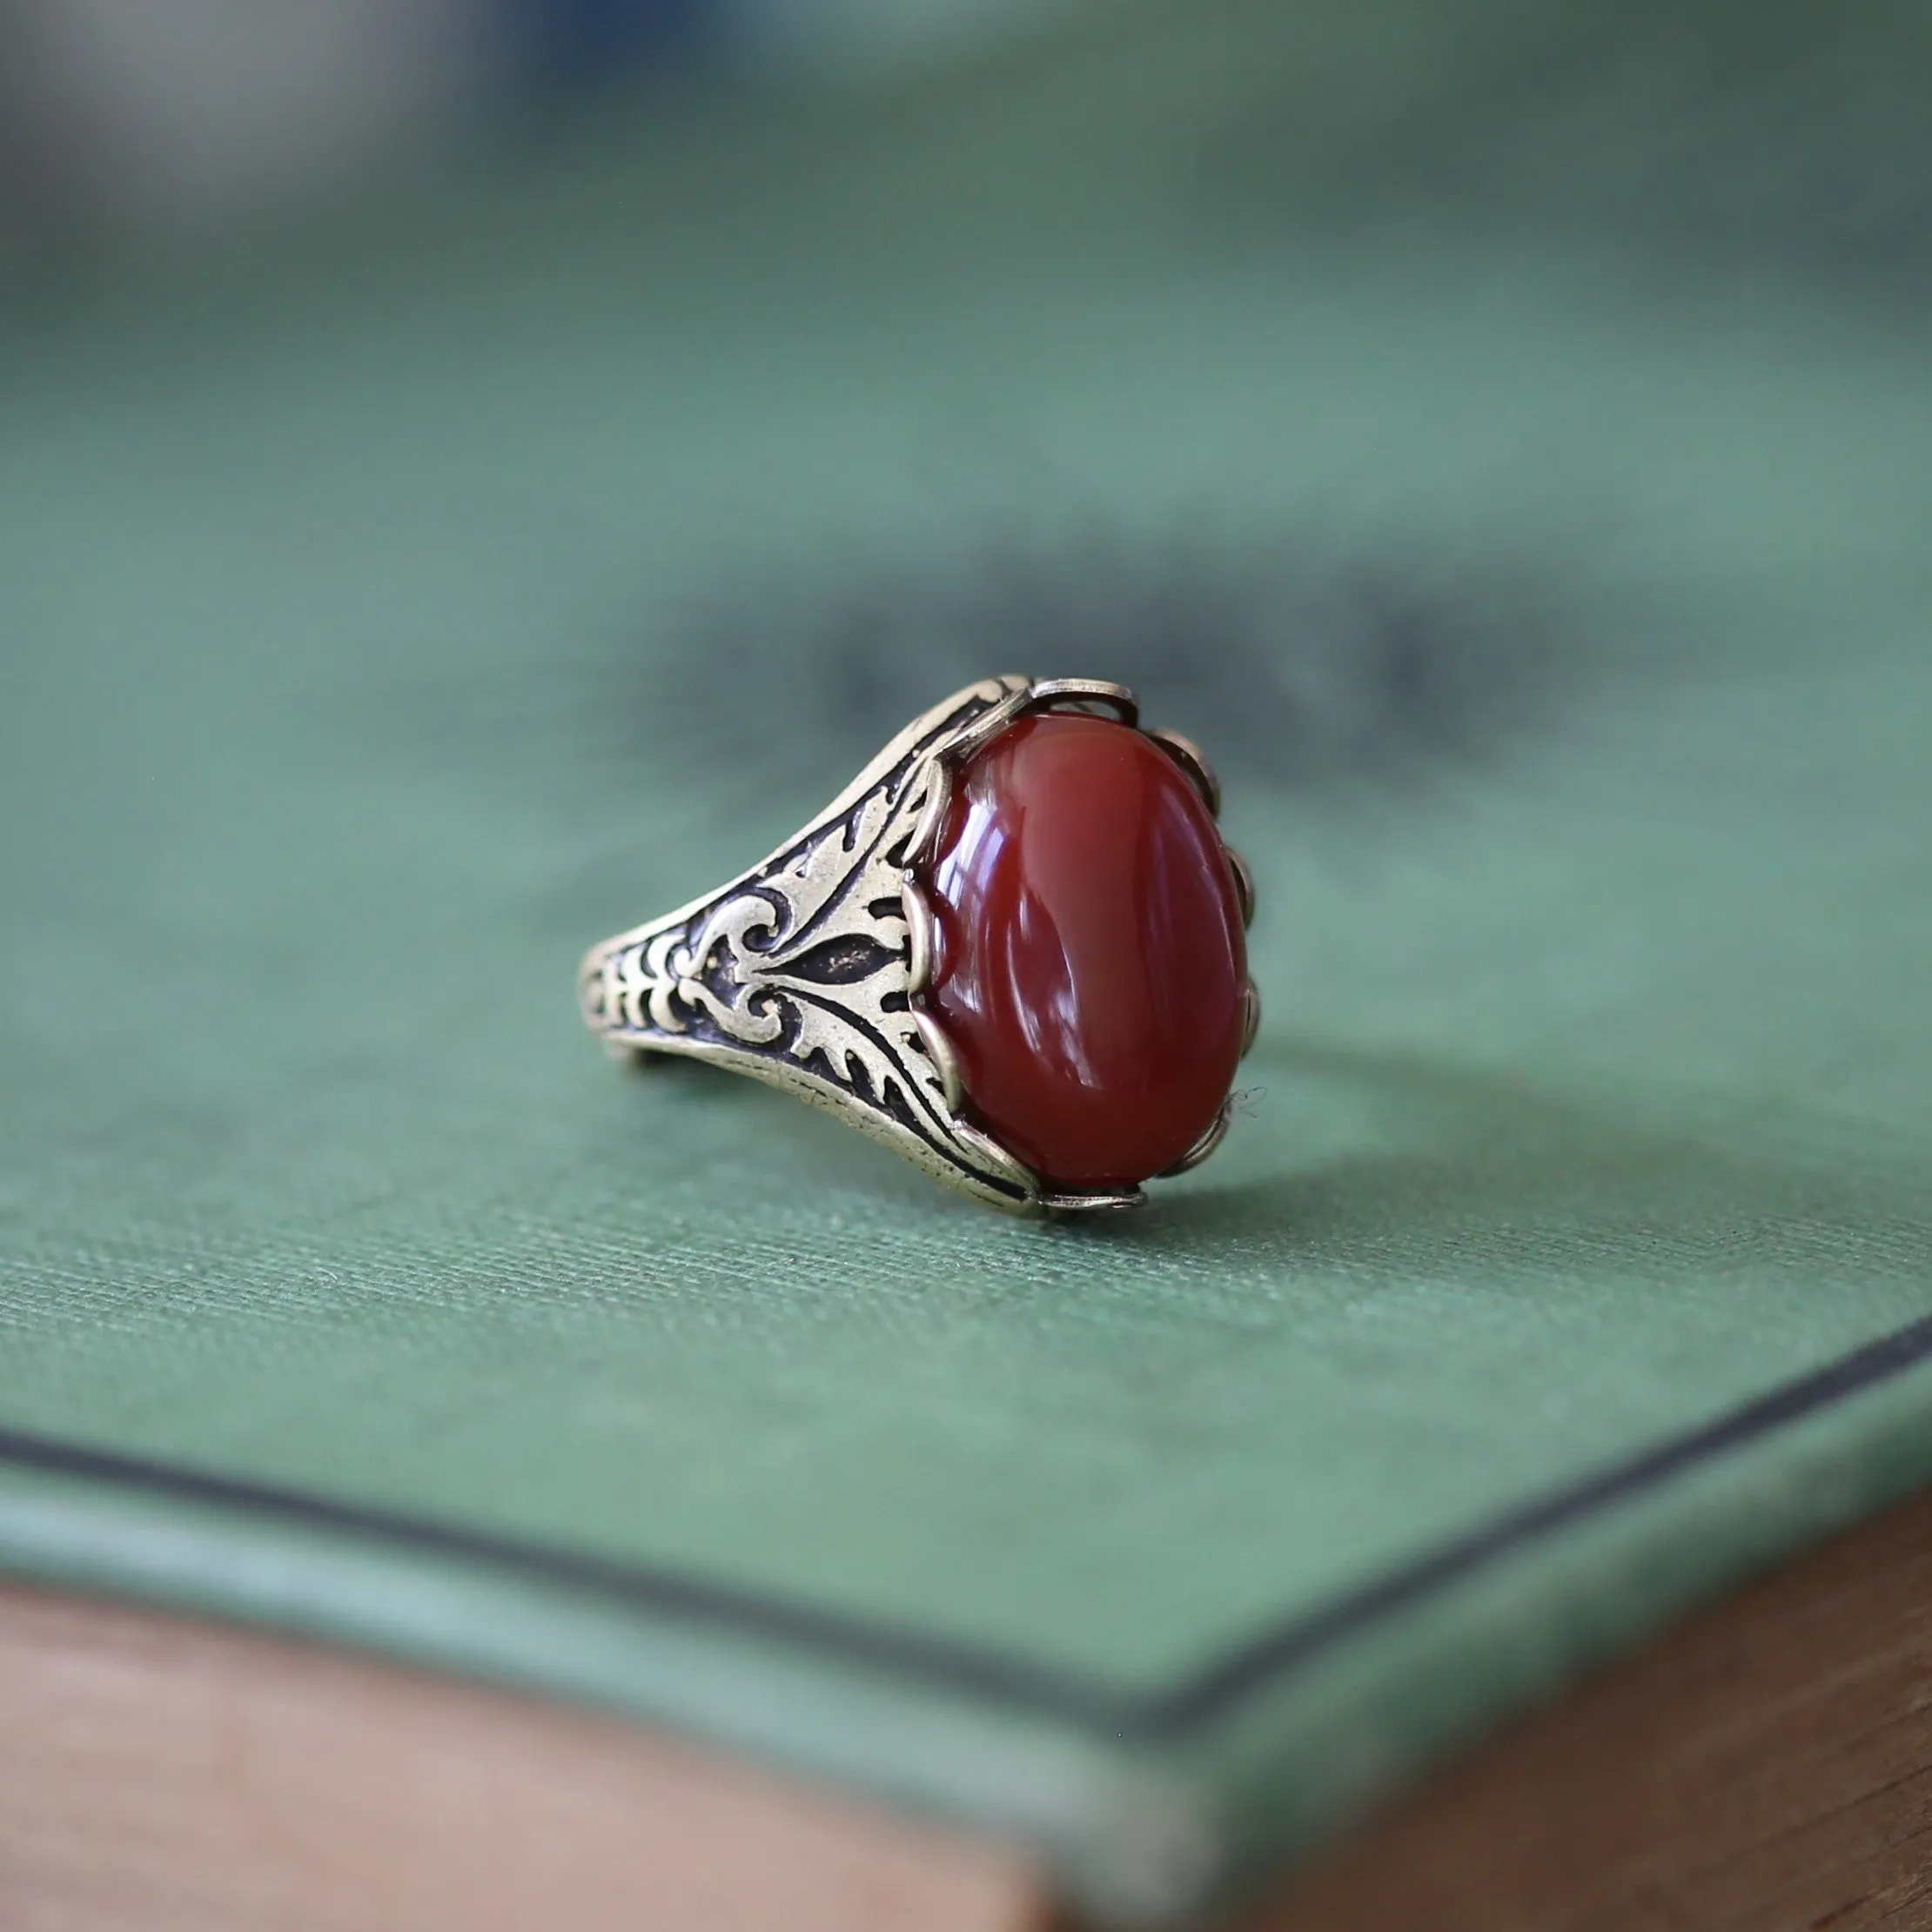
{"x":1330,"y":667}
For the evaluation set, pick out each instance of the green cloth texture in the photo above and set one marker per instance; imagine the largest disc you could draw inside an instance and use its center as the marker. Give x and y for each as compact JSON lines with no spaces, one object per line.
{"x":348,"y":694}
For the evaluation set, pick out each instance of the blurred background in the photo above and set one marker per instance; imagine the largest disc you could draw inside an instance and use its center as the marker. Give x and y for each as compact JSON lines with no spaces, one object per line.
{"x":1779,"y":127}
{"x":635,"y":408}
{"x":1511,"y":210}
{"x":188,"y":117}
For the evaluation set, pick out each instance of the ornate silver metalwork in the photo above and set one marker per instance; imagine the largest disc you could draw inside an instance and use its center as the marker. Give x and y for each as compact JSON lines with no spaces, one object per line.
{"x":807,"y":971}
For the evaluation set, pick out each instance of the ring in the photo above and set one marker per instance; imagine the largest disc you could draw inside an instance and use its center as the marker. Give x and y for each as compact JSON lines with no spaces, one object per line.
{"x":1013,"y":949}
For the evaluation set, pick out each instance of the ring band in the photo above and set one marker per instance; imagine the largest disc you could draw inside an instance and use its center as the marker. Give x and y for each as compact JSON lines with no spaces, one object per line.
{"x":864,"y":965}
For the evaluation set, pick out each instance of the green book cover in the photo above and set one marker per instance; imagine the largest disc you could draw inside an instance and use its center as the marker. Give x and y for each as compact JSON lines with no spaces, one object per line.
{"x":386,"y":621}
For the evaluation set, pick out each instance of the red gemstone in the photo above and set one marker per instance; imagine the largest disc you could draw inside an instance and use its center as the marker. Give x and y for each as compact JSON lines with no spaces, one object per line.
{"x":1089,"y":960}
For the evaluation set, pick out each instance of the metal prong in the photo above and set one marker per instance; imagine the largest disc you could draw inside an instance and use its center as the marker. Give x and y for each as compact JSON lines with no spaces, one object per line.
{"x":1049,"y":691}
{"x":1250,"y":1016}
{"x":1091,"y":1204}
{"x":919,"y":934}
{"x":998,"y":1158}
{"x":1244,"y":883}
{"x":939,"y":1051}
{"x":989,"y":724}
{"x":1192,"y":759}
{"x":924,"y":842}
{"x":1206,"y":1145}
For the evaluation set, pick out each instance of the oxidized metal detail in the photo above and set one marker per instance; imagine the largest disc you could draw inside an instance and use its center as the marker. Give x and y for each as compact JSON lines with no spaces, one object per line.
{"x":807,"y":971}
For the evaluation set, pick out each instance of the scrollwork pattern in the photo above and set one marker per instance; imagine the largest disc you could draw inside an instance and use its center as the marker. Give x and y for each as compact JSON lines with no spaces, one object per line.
{"x":797,"y":971}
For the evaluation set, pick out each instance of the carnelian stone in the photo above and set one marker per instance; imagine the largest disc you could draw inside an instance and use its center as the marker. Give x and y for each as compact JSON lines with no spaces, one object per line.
{"x":1089,"y":960}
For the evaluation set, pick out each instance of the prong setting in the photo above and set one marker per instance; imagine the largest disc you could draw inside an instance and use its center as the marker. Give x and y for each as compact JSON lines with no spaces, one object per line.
{"x":1069,"y":694}
{"x":1074,"y":1203}
{"x":939,"y":1051}
{"x":922,"y":847}
{"x":1244,"y":884}
{"x":1192,"y":759}
{"x":920,"y":934}
{"x":1206,"y":1145}
{"x":986,"y":727}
